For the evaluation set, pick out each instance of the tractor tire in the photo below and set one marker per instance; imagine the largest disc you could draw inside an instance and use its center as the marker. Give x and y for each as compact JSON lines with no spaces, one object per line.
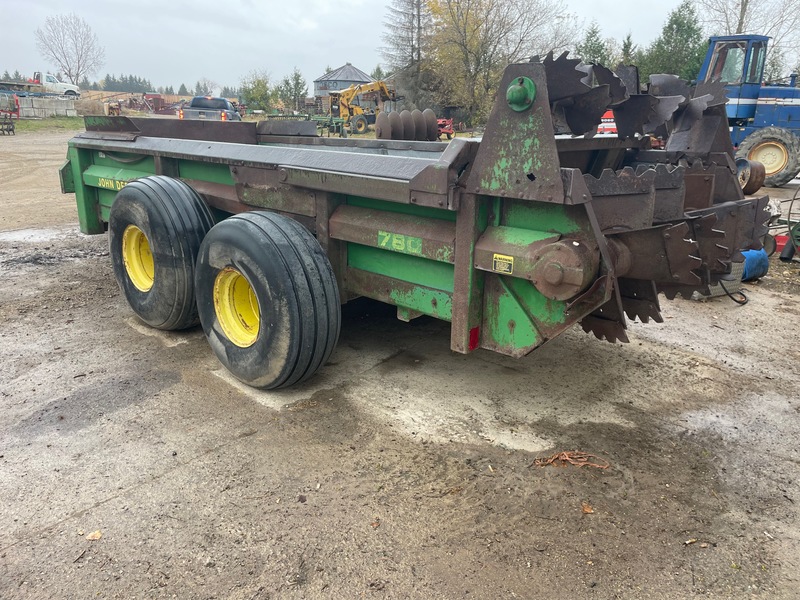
{"x":359,"y":125}
{"x":268,"y":299}
{"x":155,"y":230}
{"x":777,"y":149}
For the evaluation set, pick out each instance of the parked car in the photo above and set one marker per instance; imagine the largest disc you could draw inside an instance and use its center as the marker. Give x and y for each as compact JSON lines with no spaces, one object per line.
{"x":210,"y":108}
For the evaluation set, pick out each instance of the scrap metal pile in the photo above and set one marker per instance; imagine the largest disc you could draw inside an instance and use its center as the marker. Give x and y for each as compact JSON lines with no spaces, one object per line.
{"x":674,"y":218}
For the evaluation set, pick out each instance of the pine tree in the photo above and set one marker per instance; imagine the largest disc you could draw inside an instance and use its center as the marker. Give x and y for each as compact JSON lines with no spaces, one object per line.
{"x":593,"y":49}
{"x":629,"y":50}
{"x":680,"y":48}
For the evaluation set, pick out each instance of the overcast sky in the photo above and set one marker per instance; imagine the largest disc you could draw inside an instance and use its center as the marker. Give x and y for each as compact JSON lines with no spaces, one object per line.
{"x":171,"y":42}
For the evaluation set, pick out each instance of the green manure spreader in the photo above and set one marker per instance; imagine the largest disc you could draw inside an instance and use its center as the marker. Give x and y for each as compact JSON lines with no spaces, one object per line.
{"x":260,"y":231}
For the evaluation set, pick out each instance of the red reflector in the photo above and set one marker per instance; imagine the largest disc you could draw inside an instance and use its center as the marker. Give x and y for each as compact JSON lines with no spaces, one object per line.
{"x":474,"y":338}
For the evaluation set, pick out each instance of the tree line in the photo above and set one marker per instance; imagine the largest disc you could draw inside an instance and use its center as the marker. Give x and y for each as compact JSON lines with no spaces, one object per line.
{"x":452,"y":53}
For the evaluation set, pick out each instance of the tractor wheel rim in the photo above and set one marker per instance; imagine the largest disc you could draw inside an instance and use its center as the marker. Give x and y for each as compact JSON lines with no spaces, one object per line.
{"x":138,"y":258}
{"x":772,"y":155}
{"x":237,"y":308}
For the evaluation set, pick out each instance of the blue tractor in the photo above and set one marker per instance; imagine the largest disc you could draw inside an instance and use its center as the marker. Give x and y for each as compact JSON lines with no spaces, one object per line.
{"x":764,"y":119}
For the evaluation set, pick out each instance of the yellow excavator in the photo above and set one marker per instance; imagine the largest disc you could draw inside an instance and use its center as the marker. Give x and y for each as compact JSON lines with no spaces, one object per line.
{"x":344,"y":104}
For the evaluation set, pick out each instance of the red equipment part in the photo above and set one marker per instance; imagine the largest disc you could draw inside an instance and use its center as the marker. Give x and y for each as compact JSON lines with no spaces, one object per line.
{"x":607,"y":125}
{"x":446,"y":128}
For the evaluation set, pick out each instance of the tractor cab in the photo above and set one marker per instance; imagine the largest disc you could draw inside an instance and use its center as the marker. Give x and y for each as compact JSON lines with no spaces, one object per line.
{"x":738,"y":60}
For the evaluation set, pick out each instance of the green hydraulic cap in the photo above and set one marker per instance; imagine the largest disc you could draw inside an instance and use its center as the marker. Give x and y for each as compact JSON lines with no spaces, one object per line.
{"x":521,"y":93}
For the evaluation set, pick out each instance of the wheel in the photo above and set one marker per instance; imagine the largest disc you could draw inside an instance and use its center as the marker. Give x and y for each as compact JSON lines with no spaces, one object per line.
{"x":751,"y":175}
{"x":420,"y":126}
{"x":396,"y":125}
{"x":359,"y":124}
{"x":408,"y":125}
{"x":267,"y":298}
{"x":777,"y":149}
{"x":433,"y":126}
{"x":449,"y":135}
{"x":383,"y":129}
{"x":70,"y":93}
{"x":769,"y":243}
{"x":155,"y":229}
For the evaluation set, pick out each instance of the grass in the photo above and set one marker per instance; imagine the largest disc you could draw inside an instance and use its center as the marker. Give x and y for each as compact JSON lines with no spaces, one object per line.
{"x":49,"y":124}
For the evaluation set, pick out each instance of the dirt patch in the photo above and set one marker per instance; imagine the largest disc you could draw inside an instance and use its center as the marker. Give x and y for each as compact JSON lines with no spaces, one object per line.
{"x":402,"y":470}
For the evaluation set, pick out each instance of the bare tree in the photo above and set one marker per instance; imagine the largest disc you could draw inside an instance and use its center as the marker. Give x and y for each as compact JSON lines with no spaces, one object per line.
{"x":408,"y":27}
{"x":206,"y":87}
{"x":779,"y":19}
{"x":68,"y":42}
{"x":474,"y":40}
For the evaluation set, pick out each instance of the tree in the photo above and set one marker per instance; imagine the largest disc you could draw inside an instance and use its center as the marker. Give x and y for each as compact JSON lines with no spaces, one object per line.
{"x":593,"y":48}
{"x":292,"y":90}
{"x":679,"y":49}
{"x":378,"y":73}
{"x":183,"y":90}
{"x":407,"y":31}
{"x":205,"y":87}
{"x":68,"y":43}
{"x":775,"y":66}
{"x":256,"y":91}
{"x":629,"y":50}
{"x":474,"y":40}
{"x":779,"y":19}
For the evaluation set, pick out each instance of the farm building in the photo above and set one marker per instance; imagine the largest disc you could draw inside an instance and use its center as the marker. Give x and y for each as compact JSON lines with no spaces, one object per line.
{"x":339,"y":79}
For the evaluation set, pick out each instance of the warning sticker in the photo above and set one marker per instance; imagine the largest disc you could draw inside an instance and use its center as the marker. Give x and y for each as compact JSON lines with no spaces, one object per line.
{"x":503,"y":264}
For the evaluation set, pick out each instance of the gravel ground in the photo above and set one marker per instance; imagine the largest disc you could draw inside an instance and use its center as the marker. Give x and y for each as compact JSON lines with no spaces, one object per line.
{"x":132,"y":466}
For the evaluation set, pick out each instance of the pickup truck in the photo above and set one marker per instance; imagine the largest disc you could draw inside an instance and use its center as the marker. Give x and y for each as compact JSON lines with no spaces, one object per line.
{"x":42,"y":84}
{"x":210,"y":108}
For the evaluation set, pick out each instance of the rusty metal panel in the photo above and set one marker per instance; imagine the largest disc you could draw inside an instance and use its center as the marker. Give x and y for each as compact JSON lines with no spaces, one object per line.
{"x":623,"y":200}
{"x":418,"y":298}
{"x":395,"y":232}
{"x":289,"y":128}
{"x":670,"y":191}
{"x":236,"y":132}
{"x":338,"y":183}
{"x":518,"y":157}
{"x":262,"y":187}
{"x":468,"y":283}
{"x":699,"y":182}
{"x":513,"y":243}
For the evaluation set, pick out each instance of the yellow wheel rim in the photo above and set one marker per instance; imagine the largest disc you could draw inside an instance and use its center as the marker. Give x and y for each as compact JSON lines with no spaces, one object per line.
{"x":137,"y":258}
{"x":236,"y":306}
{"x":773,"y":155}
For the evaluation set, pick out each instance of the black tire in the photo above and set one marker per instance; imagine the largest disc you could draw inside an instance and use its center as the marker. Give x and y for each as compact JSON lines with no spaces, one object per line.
{"x":167,"y":220}
{"x":777,"y":149}
{"x":360,"y":125}
{"x":268,"y":299}
{"x":70,"y":93}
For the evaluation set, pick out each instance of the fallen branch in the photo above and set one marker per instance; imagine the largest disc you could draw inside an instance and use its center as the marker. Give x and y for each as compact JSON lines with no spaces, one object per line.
{"x":571,"y":457}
